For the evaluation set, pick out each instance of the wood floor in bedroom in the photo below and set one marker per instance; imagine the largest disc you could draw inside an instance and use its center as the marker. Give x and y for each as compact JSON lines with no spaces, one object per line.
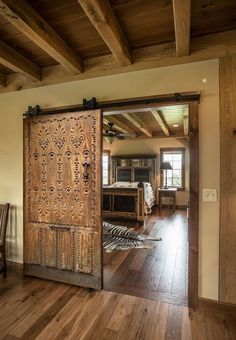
{"x":159,"y":273}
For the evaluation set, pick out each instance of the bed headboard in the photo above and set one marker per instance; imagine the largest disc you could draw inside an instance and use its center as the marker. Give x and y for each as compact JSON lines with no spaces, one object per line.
{"x":134,"y":169}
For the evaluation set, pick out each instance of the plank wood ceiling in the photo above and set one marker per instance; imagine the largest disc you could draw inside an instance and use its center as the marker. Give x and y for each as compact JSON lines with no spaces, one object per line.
{"x":166,"y":121}
{"x":62,"y":40}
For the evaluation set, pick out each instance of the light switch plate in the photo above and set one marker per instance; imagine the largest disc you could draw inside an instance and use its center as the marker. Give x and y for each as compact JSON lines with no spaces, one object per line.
{"x":209,"y":195}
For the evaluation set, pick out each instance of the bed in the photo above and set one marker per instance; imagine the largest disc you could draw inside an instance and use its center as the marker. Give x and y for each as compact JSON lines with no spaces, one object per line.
{"x":132,"y":194}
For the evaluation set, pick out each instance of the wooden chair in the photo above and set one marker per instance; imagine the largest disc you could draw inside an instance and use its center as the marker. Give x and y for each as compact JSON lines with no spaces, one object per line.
{"x":4,"y":210}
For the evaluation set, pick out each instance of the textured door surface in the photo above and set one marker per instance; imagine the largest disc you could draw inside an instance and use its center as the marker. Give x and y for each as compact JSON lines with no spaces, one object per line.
{"x":62,"y":198}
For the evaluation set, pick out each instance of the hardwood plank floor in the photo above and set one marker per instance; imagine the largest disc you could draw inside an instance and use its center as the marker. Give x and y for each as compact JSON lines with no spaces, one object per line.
{"x":38,"y":309}
{"x":159,"y":273}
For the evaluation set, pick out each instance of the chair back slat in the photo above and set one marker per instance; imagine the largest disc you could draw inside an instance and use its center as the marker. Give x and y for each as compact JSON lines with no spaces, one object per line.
{"x":4,"y":209}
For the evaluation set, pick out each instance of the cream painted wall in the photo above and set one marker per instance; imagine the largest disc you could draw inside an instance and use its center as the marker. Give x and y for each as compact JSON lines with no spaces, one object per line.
{"x":152,"y":146}
{"x":141,"y":83}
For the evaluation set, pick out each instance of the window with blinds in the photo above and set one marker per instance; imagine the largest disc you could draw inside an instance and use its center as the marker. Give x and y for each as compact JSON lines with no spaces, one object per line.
{"x":176,"y":176}
{"x":105,"y":167}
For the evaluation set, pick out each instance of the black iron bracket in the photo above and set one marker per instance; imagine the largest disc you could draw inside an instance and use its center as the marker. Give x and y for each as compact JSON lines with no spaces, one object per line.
{"x":89,"y":104}
{"x":32,"y":111}
{"x":178,"y":97}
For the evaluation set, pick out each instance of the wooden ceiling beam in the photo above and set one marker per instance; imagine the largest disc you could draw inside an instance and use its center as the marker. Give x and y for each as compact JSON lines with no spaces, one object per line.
{"x":136,"y":122}
{"x":117,"y":124}
{"x":160,"y":135}
{"x":16,"y":62}
{"x":2,"y":80}
{"x":161,"y":121}
{"x":202,"y":48}
{"x":103,"y":19}
{"x":30,"y":23}
{"x":182,"y":21}
{"x":186,"y":123}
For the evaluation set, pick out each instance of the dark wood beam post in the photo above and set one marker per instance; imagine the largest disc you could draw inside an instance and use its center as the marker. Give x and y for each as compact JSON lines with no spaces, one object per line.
{"x":193,"y":223}
{"x":227,"y":277}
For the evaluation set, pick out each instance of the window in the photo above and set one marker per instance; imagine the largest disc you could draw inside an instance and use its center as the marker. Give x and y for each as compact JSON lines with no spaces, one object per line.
{"x":176,"y":176}
{"x":105,"y":167}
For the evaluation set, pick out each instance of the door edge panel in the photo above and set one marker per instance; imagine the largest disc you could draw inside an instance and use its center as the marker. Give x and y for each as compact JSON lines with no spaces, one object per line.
{"x":63,"y":276}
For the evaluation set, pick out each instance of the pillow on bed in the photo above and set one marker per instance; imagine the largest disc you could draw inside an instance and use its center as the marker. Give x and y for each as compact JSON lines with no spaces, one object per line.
{"x":129,"y":184}
{"x":135,"y":184}
{"x":121,"y":184}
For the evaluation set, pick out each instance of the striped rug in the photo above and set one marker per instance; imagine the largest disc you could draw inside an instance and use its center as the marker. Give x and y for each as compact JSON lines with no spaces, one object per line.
{"x":123,"y":238}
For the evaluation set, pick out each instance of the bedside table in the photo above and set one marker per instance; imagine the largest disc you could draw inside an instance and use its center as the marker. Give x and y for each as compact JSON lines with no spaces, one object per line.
{"x":170,"y":192}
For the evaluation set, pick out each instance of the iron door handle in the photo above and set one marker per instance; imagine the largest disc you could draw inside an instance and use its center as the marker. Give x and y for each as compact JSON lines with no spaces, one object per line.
{"x":59,"y":227}
{"x":86,"y":164}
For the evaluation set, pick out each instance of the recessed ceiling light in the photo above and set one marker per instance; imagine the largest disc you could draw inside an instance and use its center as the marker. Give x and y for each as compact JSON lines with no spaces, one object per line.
{"x":204,"y":80}
{"x":176,"y":125}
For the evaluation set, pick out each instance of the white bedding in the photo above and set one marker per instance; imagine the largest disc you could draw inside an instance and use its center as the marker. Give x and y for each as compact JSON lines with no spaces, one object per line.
{"x":149,"y":196}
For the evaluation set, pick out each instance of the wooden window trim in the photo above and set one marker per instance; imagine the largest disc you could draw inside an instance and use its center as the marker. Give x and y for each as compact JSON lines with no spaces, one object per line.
{"x":182,"y":150}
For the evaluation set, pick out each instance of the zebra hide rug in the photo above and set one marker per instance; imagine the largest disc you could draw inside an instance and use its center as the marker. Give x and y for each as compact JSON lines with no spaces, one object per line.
{"x":123,"y":238}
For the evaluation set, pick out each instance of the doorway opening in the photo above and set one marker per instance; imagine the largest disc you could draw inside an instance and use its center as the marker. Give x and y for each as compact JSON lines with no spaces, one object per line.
{"x":136,"y":204}
{"x":148,"y":156}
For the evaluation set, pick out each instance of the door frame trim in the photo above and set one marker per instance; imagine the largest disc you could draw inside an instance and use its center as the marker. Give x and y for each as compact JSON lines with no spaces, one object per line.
{"x":192,"y":99}
{"x":193,"y":225}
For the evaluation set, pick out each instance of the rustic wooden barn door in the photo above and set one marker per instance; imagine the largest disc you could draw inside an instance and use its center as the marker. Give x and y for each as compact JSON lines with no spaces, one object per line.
{"x":62,"y":198}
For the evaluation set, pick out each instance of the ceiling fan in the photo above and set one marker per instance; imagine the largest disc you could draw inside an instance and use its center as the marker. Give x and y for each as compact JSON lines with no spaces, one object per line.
{"x":112,"y":134}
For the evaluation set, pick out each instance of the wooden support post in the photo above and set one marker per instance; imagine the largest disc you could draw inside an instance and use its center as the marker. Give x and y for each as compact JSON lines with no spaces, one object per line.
{"x":227,"y":279}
